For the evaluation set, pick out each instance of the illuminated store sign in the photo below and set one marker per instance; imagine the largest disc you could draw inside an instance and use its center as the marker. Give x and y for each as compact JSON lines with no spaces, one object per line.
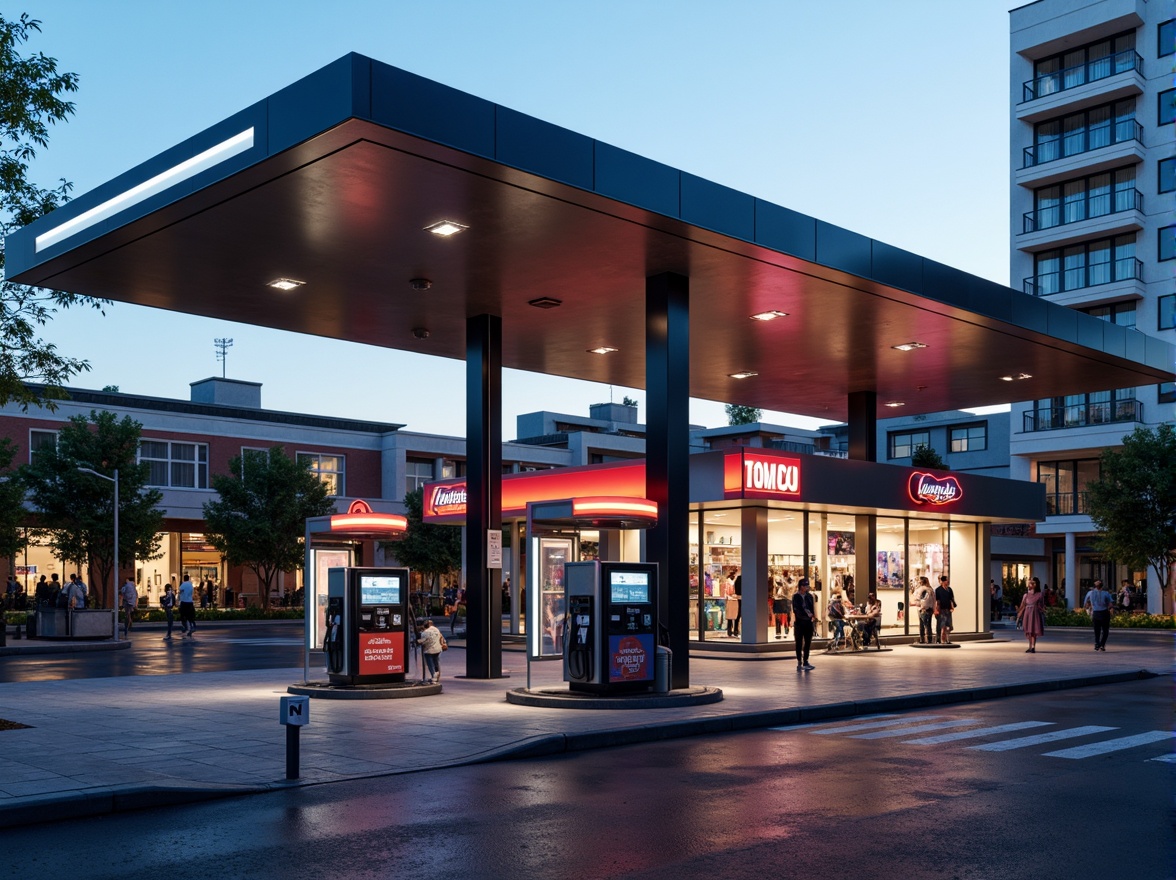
{"x":751,"y":474}
{"x":360,"y":519}
{"x":929,"y":489}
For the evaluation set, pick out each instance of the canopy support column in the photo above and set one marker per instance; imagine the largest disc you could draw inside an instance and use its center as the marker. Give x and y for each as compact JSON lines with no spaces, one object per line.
{"x":863,"y":425}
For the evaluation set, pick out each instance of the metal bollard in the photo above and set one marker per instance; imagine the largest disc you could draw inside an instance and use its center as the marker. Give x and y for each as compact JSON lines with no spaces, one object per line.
{"x":661,"y":670}
{"x":294,"y":713}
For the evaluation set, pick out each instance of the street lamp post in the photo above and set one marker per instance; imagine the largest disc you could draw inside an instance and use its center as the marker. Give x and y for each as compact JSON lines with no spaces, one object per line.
{"x":114,"y":479}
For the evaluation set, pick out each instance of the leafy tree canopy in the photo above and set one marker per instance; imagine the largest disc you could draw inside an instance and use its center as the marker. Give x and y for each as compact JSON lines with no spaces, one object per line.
{"x":925,"y":456}
{"x":742,"y":415}
{"x":1133,"y":503}
{"x":259,"y":519}
{"x":428,"y":548}
{"x":12,"y":496}
{"x":31,"y":99}
{"x":76,"y":509}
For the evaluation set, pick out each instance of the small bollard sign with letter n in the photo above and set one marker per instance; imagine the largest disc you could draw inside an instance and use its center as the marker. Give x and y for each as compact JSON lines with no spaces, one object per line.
{"x":295,"y":711}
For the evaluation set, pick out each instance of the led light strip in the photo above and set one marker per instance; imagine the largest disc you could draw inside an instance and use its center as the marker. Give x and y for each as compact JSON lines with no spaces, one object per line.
{"x":376,"y":522}
{"x":177,"y":174}
{"x":614,"y":507}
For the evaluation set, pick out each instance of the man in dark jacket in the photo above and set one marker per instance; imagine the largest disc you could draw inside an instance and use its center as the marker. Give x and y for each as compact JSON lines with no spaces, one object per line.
{"x":804,"y":622}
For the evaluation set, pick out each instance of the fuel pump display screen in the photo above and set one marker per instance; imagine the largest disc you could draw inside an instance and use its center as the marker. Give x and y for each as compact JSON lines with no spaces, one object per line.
{"x":379,"y":590}
{"x":628,"y":586}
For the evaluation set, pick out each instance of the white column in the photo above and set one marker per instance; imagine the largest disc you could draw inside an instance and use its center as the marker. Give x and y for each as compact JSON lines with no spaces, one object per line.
{"x":1072,"y":569}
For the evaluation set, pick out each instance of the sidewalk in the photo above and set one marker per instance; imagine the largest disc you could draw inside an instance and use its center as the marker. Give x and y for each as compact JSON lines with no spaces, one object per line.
{"x":96,"y":746}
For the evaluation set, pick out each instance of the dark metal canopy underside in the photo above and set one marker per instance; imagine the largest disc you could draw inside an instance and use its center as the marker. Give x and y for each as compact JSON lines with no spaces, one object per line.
{"x":350,"y":165}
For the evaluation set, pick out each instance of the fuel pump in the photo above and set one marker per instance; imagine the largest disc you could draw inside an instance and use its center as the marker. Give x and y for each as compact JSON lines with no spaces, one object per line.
{"x":611,"y":627}
{"x":367,"y":625}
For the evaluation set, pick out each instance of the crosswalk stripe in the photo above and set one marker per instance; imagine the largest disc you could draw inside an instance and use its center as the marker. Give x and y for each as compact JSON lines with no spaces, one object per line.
{"x":1052,"y":736}
{"x":850,"y":728}
{"x":1112,"y":745}
{"x":971,"y":734}
{"x":1167,"y":759}
{"x":918,"y":728}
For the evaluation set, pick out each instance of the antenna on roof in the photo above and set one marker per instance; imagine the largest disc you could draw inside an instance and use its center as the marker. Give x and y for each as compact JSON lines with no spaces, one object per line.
{"x":222,"y":352}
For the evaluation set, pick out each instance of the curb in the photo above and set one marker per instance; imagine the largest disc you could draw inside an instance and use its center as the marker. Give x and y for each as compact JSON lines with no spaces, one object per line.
{"x":120,"y":799}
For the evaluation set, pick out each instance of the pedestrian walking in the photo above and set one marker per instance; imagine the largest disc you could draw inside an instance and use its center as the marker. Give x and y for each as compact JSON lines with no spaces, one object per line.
{"x":924,"y":600}
{"x":944,"y":605}
{"x":1031,"y":614}
{"x":804,"y":623}
{"x":129,"y":600}
{"x":432,"y":644}
{"x":168,"y":603}
{"x":1098,"y":603}
{"x":1125,"y":596}
{"x":997,"y":594}
{"x":187,"y":608}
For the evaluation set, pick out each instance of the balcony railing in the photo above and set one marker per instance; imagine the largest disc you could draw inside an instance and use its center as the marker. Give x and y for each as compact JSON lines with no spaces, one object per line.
{"x":1065,"y":504}
{"x":1102,"y":205}
{"x":1080,"y":415}
{"x":1079,"y":75}
{"x":1083,"y":140}
{"x":1049,"y":283}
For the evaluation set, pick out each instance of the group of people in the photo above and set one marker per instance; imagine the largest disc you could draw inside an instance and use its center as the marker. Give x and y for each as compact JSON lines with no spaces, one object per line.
{"x":934,"y":606}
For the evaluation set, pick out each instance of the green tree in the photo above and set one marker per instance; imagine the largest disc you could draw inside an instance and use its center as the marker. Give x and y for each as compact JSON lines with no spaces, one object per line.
{"x":12,"y":496}
{"x":1133,"y":502}
{"x":742,"y":415}
{"x":76,"y":510}
{"x":925,"y":456}
{"x":31,"y":90}
{"x":259,"y":520}
{"x":427,"y":548}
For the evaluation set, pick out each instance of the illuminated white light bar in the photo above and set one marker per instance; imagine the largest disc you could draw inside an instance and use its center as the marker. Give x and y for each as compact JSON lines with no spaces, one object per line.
{"x":284,"y":284}
{"x":909,"y":346}
{"x":604,"y":349}
{"x":743,"y":374}
{"x":177,"y":174}
{"x":769,"y":315}
{"x":1016,"y":378}
{"x":895,"y":403}
{"x":614,"y":507}
{"x":445,"y":228}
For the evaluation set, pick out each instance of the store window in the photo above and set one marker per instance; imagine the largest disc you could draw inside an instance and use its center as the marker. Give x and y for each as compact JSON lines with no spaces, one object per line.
{"x":331,"y":469}
{"x":1167,"y":106}
{"x":890,"y":575}
{"x":721,"y":563}
{"x":1167,"y":306}
{"x":175,"y":465}
{"x":840,"y":549}
{"x":969,"y":438}
{"x":1167,"y":243}
{"x":786,"y":566}
{"x":930,"y":551}
{"x":902,"y":444}
{"x":39,"y":440}
{"x":417,"y":472}
{"x":1167,"y":181}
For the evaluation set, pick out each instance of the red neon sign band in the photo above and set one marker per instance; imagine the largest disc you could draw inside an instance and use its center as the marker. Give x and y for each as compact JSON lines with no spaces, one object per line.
{"x":925,"y":488}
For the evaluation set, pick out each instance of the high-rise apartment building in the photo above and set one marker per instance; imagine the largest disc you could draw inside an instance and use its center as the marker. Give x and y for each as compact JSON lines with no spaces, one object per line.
{"x":1093,"y":185}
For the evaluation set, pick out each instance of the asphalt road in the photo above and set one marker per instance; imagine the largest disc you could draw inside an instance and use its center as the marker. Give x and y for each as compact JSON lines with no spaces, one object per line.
{"x":215,"y":648}
{"x":864,"y":798}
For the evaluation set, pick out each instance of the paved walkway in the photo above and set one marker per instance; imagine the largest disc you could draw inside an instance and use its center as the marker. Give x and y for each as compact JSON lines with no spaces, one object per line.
{"x":95,"y":746}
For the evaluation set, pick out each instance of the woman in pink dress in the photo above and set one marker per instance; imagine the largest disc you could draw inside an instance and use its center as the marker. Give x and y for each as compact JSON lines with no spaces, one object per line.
{"x":1030,"y":612}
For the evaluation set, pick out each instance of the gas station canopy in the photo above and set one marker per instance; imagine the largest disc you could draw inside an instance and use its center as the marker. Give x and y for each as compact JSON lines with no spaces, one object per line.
{"x":337,"y":185}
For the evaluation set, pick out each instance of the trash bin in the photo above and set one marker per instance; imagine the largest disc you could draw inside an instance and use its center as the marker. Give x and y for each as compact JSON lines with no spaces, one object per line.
{"x":661,"y":670}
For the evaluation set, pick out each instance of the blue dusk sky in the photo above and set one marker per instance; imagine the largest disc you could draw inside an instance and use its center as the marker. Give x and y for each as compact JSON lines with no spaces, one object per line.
{"x":889,"y":119}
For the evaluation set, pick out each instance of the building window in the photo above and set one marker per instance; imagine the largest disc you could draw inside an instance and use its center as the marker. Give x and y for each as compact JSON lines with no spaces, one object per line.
{"x":1085,"y":265}
{"x":1167,"y":306}
{"x":1167,"y":243}
{"x":1079,"y":410}
{"x":1167,"y":175}
{"x":451,"y":469}
{"x":1121,"y":313}
{"x":1167,"y":106}
{"x":1167,"y":37}
{"x":39,"y":440}
{"x":417,"y":472}
{"x":1088,"y":63}
{"x":1096,"y":196}
{"x":904,"y":443}
{"x":331,"y":469}
{"x":969,"y":438}
{"x":1166,"y":392}
{"x":174,"y":465}
{"x":1065,"y":484}
{"x":1082,"y":132}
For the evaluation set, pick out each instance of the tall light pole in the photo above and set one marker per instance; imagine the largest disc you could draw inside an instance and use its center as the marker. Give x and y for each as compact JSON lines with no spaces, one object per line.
{"x":114,"y":479}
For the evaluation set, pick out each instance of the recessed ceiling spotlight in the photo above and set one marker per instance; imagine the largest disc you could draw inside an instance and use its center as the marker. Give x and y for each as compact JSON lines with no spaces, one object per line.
{"x":1016,"y":378}
{"x":545,"y":302}
{"x":284,"y":284}
{"x":445,"y":228}
{"x":743,"y":374}
{"x":420,"y":283}
{"x":769,"y":316}
{"x":604,"y":349}
{"x":908,"y":346}
{"x":420,"y":332}
{"x":895,"y":403}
